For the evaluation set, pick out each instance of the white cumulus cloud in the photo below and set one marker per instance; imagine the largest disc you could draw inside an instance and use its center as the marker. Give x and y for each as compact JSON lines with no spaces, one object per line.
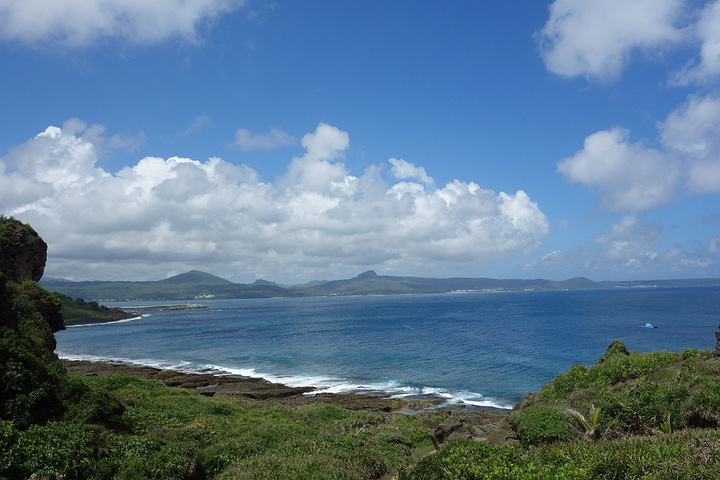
{"x":595,"y":38}
{"x":403,"y":170}
{"x":630,"y":246}
{"x":693,"y":132}
{"x":628,"y":176}
{"x":707,"y":32}
{"x":633,"y":177}
{"x":163,"y":216}
{"x":79,"y":23}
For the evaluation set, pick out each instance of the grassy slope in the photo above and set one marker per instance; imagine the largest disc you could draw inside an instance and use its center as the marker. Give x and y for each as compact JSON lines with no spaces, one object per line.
{"x":169,"y":433}
{"x":659,"y":415}
{"x":151,"y":431}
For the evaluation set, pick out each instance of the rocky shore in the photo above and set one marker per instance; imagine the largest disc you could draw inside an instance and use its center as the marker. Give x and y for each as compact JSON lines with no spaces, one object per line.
{"x":489,"y":424}
{"x":250,"y":389}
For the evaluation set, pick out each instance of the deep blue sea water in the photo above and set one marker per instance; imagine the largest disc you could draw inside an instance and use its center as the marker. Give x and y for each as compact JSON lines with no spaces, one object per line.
{"x":484,"y":349}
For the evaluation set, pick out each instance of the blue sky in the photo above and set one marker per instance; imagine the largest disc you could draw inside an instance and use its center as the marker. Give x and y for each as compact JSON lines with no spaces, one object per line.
{"x":295,"y":141}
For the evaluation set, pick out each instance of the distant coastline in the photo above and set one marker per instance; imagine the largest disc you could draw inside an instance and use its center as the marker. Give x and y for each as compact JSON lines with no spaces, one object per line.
{"x":126,"y":313}
{"x":184,"y":306}
{"x":116,"y":316}
{"x":196,"y":285}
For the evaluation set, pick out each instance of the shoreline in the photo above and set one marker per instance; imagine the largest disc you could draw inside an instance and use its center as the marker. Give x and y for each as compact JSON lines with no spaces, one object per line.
{"x":130,"y":313}
{"x":256,"y":390}
{"x":115,"y":317}
{"x":156,"y":308}
{"x":259,"y":390}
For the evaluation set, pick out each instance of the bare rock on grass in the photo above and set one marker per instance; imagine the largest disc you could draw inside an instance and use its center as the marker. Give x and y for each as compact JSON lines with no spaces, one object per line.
{"x":449,"y":429}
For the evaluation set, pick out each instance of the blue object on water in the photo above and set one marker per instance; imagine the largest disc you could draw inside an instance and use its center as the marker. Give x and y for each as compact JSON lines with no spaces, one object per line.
{"x":649,"y":325}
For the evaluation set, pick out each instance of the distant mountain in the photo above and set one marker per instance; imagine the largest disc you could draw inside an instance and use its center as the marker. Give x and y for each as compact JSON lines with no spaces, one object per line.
{"x":577,"y":283}
{"x":200,"y":285}
{"x":186,"y":286}
{"x":196,"y":276}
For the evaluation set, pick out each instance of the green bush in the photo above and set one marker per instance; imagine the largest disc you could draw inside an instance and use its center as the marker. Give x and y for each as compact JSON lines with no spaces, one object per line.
{"x":88,"y":404}
{"x":542,"y":424}
{"x":692,"y":454}
{"x":467,"y":459}
{"x":29,"y":384}
{"x":52,"y":449}
{"x":638,"y":391}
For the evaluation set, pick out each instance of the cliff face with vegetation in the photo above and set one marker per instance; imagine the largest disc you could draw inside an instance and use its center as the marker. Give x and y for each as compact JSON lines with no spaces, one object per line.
{"x":22,"y":262}
{"x":31,"y":377}
{"x":22,"y":252}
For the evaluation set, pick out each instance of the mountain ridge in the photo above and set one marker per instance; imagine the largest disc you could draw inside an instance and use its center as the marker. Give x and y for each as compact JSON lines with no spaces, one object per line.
{"x":196,"y":284}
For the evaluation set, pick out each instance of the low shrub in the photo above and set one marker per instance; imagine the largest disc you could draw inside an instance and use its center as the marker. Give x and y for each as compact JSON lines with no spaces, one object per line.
{"x":636,"y":392}
{"x":542,"y":424}
{"x":471,"y":460}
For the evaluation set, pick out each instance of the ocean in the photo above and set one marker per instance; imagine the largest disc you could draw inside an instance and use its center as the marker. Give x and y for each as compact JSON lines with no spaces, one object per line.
{"x":475,"y":349}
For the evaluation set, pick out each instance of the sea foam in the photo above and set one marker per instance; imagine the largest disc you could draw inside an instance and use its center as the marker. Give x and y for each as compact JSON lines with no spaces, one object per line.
{"x":125,"y":320}
{"x":322,"y":384}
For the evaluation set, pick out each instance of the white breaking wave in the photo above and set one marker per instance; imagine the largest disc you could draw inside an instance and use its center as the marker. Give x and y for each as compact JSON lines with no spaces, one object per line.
{"x":109,"y":323}
{"x":322,"y":384}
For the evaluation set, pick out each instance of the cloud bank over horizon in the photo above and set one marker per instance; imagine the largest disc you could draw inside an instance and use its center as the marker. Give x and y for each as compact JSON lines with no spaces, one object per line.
{"x":630,"y":245}
{"x":317,"y":220}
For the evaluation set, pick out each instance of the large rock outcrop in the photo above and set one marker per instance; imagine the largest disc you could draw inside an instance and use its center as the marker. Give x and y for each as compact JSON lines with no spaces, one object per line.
{"x":22,"y":261}
{"x":22,"y":252}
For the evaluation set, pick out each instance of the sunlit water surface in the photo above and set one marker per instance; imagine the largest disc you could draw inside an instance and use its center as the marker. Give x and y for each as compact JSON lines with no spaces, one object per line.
{"x":481,"y":349}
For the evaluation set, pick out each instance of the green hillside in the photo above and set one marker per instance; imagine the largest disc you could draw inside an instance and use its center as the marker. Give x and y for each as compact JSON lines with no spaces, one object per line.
{"x":195,"y":277}
{"x":186,"y":286}
{"x":633,"y":415}
{"x":200,"y":285}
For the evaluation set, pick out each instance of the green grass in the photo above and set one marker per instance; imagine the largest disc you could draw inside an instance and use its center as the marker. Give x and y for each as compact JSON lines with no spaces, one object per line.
{"x":637,"y":392}
{"x":124,"y":427}
{"x":691,"y":454}
{"x":170,"y":433}
{"x":653,"y":416}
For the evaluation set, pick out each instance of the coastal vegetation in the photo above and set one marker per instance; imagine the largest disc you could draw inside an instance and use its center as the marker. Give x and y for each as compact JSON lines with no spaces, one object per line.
{"x":77,"y":310}
{"x":649,"y":415}
{"x":157,"y":432}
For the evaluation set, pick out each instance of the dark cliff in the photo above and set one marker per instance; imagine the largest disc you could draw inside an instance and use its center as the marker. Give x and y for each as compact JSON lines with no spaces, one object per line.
{"x":31,"y":377}
{"x":22,"y":252}
{"x":22,"y":262}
